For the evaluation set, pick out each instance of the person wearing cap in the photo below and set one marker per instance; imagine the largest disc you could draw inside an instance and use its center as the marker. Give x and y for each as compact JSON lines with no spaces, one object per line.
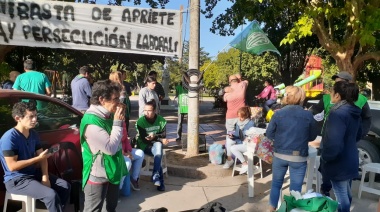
{"x":159,"y":89}
{"x":325,"y":104}
{"x":81,"y":90}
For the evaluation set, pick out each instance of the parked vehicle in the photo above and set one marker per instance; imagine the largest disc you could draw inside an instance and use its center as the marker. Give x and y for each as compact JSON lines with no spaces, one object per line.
{"x":369,"y":146}
{"x":58,"y":123}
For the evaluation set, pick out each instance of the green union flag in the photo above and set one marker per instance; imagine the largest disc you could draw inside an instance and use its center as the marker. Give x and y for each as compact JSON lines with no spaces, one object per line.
{"x":253,"y":40}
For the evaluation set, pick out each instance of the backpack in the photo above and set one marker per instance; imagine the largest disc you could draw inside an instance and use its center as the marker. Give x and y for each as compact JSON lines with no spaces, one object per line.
{"x":216,"y":153}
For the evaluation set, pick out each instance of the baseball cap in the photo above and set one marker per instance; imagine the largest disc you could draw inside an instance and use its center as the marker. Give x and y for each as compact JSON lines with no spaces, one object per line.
{"x":343,"y":75}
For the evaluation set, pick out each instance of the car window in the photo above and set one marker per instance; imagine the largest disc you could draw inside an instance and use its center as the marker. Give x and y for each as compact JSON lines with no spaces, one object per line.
{"x":6,"y":120}
{"x":54,"y":116}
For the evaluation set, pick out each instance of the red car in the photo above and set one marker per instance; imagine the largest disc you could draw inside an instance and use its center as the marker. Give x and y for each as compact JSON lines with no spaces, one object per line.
{"x":58,"y":124}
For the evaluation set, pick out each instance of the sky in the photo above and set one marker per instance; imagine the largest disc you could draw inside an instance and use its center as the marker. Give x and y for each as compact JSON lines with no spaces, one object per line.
{"x":210,"y":42}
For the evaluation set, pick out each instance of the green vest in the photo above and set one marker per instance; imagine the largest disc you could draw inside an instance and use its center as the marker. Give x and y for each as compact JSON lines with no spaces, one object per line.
{"x":157,"y":127}
{"x":327,"y":102}
{"x":183,"y":98}
{"x":114,"y":164}
{"x":327,"y":105}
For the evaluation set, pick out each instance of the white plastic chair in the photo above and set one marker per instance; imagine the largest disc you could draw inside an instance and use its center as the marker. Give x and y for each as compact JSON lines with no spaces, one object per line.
{"x":28,"y":205}
{"x":148,"y":168}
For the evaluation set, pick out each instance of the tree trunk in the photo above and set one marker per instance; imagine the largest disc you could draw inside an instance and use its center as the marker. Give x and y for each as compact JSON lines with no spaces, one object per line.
{"x":345,"y":64}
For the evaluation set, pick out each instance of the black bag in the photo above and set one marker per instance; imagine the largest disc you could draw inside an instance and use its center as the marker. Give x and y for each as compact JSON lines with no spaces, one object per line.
{"x":158,"y":210}
{"x":211,"y":207}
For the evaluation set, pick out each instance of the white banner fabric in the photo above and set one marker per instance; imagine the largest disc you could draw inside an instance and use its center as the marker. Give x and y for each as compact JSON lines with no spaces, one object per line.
{"x":57,"y":24}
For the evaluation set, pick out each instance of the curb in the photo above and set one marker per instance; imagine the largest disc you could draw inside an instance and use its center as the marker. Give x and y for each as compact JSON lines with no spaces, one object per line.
{"x":198,"y":172}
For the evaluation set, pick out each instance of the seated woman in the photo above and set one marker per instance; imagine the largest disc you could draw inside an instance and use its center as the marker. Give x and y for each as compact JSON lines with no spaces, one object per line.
{"x":234,"y":140}
{"x":151,"y":133}
{"x":269,"y":94}
{"x":133,"y":159}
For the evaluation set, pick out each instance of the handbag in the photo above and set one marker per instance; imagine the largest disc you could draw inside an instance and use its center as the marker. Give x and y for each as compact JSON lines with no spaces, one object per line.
{"x":264,"y":148}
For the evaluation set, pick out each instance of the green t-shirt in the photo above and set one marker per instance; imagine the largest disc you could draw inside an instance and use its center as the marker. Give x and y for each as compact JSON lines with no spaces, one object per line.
{"x":183,"y":99}
{"x":32,"y":81}
{"x":328,"y":105}
{"x":157,"y":127}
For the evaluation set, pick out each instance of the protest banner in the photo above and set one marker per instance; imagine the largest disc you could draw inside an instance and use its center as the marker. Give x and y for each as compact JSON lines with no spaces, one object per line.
{"x":57,"y":24}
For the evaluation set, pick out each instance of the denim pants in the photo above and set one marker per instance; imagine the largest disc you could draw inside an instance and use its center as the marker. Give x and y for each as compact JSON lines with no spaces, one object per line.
{"x":135,"y":164}
{"x":268,"y":104}
{"x":342,"y":190}
{"x":279,"y":168}
{"x":156,"y":152}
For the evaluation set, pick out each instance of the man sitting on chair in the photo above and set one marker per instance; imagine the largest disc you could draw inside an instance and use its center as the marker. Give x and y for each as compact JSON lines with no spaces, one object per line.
{"x":150,"y":129}
{"x":20,"y":152}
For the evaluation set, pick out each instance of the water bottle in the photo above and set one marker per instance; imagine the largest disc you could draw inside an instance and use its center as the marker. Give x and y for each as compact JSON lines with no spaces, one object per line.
{"x":126,"y":189}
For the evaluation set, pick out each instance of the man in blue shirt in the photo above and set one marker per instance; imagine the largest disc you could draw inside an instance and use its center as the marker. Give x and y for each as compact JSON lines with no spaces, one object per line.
{"x":81,"y":90}
{"x":8,"y":84}
{"x":20,"y":152}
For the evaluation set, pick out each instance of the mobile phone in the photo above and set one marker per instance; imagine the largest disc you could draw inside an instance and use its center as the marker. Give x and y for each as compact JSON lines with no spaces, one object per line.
{"x":53,"y":149}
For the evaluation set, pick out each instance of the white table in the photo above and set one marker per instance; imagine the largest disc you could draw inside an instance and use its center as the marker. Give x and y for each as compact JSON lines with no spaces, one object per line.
{"x":309,"y":171}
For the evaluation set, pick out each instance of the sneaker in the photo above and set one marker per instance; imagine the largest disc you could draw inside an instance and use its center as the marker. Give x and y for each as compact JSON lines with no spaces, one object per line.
{"x":135,"y":185}
{"x":228,"y":164}
{"x":243,"y":169}
{"x":156,"y":179}
{"x":161,"y":187}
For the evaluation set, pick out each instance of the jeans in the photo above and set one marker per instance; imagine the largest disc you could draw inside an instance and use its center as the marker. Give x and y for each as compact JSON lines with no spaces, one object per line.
{"x":268,"y":104}
{"x":136,"y":163}
{"x":297,"y":174}
{"x":230,"y":143}
{"x":342,"y":190}
{"x":54,"y":198}
{"x":181,"y":116}
{"x":156,"y":152}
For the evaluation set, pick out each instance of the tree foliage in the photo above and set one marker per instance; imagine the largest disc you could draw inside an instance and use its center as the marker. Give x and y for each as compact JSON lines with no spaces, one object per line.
{"x":348,"y":29}
{"x":276,"y":19}
{"x":256,"y":69}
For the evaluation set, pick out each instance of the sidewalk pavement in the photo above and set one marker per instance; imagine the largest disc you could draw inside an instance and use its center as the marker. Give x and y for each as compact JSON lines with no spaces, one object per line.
{"x":183,"y":194}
